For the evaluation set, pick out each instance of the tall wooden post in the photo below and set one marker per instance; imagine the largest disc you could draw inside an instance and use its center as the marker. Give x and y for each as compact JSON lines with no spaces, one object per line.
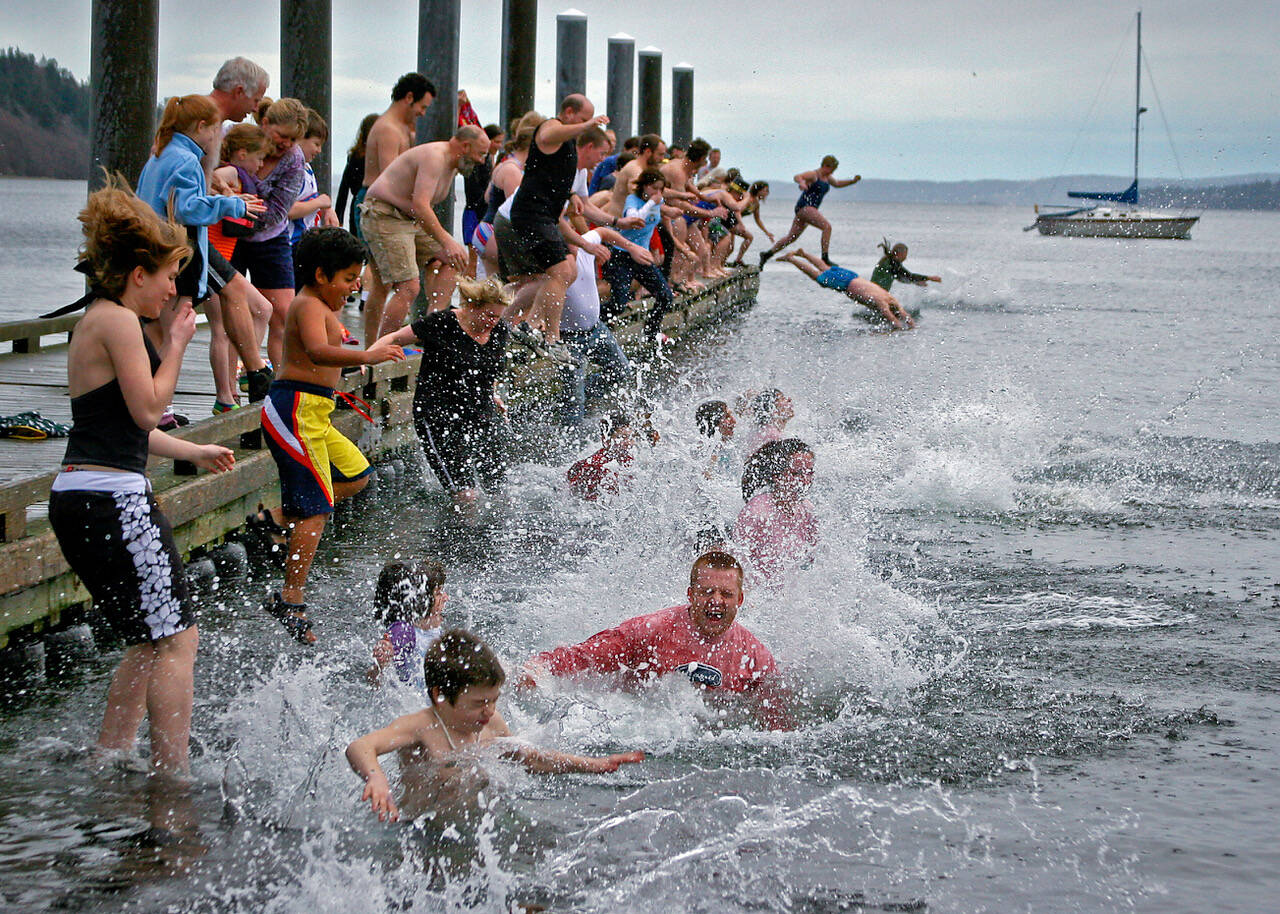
{"x":650,"y":91}
{"x":682,"y":104}
{"x":519,"y":48}
{"x":306,"y":67}
{"x":571,"y":54}
{"x":621,"y":82}
{"x":123,"y":80}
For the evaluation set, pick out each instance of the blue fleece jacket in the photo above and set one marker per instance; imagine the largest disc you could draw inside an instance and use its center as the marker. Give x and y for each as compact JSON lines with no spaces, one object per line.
{"x":177,"y":171}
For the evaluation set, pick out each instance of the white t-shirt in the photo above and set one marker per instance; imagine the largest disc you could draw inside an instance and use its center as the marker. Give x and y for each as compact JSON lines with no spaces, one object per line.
{"x":582,"y":301}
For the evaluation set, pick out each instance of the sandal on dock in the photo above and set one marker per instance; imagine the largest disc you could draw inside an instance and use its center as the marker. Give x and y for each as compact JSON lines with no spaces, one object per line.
{"x":293,"y":616}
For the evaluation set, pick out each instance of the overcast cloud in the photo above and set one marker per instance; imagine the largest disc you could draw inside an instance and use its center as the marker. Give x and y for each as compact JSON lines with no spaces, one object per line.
{"x":905,"y":89}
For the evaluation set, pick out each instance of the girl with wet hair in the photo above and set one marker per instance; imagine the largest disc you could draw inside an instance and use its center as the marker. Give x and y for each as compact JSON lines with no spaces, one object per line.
{"x":778,"y":527}
{"x":101,"y":509}
{"x":409,"y":600}
{"x":890,"y":268}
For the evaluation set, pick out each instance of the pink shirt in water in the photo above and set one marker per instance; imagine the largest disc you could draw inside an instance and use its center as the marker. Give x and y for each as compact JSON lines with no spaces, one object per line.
{"x":777,"y":540}
{"x":759,"y":437}
{"x":658,"y":643}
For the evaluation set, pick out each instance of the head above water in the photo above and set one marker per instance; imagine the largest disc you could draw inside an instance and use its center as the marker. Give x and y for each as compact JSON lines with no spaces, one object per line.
{"x":715,"y":593}
{"x":768,"y":467}
{"x":456,"y":661}
{"x":710,"y":417}
{"x":407,"y":590}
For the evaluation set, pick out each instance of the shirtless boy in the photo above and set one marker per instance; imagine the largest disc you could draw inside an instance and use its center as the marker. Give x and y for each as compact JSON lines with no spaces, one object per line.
{"x":401,"y":228}
{"x":463,"y":681}
{"x":391,"y":134}
{"x":863,"y":291}
{"x":318,"y":465}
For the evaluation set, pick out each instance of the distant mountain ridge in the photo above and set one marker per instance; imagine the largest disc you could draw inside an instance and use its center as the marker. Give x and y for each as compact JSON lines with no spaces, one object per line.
{"x":1249,"y":191}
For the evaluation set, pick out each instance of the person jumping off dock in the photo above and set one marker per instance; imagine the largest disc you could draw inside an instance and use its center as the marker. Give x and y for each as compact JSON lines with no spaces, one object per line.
{"x":813,"y":188}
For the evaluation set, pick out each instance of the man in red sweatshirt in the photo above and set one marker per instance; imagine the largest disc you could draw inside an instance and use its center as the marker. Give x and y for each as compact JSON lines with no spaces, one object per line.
{"x":700,"y":639}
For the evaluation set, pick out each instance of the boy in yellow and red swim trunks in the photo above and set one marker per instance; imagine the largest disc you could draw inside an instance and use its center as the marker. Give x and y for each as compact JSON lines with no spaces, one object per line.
{"x":318,"y":465}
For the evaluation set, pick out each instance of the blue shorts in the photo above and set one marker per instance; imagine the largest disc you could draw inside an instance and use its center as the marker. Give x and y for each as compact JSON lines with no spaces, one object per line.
{"x":267,"y":264}
{"x":309,"y":452}
{"x":837,"y":278}
{"x":470,"y":219}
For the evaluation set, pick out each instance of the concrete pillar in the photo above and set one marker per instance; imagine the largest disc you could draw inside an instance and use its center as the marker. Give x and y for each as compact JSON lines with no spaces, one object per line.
{"x":622,"y":82}
{"x":519,"y":48}
{"x":650,"y":80}
{"x":682,"y":104}
{"x":439,"y":26}
{"x":306,"y":67}
{"x":571,"y":54}
{"x":123,"y":85}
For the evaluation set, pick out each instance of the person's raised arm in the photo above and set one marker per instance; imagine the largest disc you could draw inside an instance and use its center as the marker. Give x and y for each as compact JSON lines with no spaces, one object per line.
{"x":362,"y":756}
{"x":602,"y":218}
{"x":553,"y":132}
{"x":844,"y":182}
{"x":145,"y":395}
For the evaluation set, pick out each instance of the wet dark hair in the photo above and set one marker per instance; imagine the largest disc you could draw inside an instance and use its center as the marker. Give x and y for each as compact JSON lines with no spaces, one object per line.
{"x":406,"y":590}
{"x":327,"y":249}
{"x":612,"y":422}
{"x":647,"y":177}
{"x":717,"y":559}
{"x":763,"y":404}
{"x":413,"y":84}
{"x":458,"y":660}
{"x":763,"y":468}
{"x":697,"y":151}
{"x":891,"y":249}
{"x":709,"y":415}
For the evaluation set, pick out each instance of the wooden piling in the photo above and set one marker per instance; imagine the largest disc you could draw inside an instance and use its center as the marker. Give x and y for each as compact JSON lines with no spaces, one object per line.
{"x":306,"y":67}
{"x":682,"y":104}
{"x":123,"y":85}
{"x":439,"y":28}
{"x":650,"y":93}
{"x":621,"y":85}
{"x":571,"y":54}
{"x":519,"y":48}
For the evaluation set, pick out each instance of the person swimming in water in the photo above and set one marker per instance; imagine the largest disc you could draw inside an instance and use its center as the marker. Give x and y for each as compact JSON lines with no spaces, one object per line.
{"x":462,"y":680}
{"x":409,"y":601}
{"x":813,"y":188}
{"x":890,"y":268}
{"x":863,"y":291}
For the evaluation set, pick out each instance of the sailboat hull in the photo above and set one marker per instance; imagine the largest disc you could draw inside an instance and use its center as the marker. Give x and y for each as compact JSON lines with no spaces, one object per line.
{"x":1118,"y":225}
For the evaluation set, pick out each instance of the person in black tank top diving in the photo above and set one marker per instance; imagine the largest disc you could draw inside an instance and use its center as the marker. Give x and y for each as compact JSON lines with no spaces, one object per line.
{"x":534,"y":239}
{"x":813,"y":188}
{"x":107,"y":522}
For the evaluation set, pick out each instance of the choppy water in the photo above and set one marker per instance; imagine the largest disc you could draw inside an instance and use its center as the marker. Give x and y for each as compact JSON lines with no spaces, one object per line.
{"x":1036,"y":655}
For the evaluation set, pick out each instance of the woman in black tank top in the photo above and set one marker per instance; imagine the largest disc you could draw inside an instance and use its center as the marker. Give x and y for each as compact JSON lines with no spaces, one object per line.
{"x":108,"y":525}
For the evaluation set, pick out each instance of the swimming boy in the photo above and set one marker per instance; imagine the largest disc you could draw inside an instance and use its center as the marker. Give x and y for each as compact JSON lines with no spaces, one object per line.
{"x":463,"y":680}
{"x":318,"y":465}
{"x":863,"y":291}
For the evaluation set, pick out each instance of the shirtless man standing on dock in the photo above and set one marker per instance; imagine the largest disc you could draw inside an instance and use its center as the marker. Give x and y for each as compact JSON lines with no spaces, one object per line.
{"x":402,"y":230}
{"x":391,"y":134}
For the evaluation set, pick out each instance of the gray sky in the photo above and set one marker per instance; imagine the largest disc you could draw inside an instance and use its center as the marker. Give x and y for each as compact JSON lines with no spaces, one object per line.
{"x":919,"y":89}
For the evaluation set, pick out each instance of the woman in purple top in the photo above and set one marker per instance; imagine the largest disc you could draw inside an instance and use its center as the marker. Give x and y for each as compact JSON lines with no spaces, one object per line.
{"x":266,"y":256}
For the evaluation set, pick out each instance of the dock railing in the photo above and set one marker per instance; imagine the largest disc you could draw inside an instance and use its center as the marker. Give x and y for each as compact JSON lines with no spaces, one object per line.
{"x":36,"y":586}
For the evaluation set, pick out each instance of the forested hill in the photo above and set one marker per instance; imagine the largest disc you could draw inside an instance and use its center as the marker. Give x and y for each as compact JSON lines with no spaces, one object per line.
{"x":44,"y":118}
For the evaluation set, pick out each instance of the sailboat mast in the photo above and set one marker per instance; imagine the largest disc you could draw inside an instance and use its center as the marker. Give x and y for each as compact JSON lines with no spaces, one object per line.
{"x":1137,"y":101}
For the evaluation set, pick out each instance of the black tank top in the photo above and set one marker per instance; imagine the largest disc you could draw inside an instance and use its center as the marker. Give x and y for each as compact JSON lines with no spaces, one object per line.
{"x":548,"y":181}
{"x":102,"y":431}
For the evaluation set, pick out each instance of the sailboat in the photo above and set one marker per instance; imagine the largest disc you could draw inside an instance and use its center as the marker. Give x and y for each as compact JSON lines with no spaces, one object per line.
{"x":1122,"y":218}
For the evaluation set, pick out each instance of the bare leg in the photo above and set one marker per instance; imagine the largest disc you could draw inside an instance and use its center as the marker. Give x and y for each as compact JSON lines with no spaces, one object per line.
{"x":219,"y":351}
{"x":796,"y":259}
{"x":373,"y":305}
{"x":127,"y":699}
{"x":395,"y":310}
{"x":526,"y":294}
{"x":246,"y":314}
{"x":798,"y":226}
{"x":440,"y":283}
{"x":279,"y":299}
{"x":169,"y":697}
{"x":747,"y":238}
{"x":817,"y":262}
{"x":549,"y":303}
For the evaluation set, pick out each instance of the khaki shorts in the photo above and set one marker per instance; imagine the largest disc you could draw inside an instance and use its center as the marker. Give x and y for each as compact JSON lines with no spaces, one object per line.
{"x":397,"y":244}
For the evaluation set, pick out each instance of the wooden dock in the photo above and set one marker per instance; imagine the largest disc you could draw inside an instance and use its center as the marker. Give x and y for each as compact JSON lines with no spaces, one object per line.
{"x":36,"y":587}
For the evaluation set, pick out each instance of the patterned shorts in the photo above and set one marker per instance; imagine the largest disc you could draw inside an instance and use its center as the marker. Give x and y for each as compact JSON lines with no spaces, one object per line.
{"x":121,"y":546}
